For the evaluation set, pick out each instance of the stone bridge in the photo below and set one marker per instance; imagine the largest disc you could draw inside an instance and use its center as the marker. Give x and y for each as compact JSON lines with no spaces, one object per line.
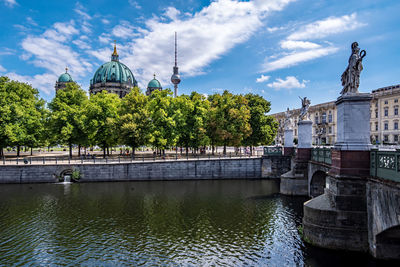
{"x":351,"y":213}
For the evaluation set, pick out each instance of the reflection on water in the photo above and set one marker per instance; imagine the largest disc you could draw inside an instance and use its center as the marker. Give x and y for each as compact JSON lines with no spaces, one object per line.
{"x":219,"y":223}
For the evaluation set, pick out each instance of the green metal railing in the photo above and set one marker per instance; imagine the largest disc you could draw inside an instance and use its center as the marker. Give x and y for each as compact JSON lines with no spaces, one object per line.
{"x":321,"y":154}
{"x":272,"y":151}
{"x":385,"y":164}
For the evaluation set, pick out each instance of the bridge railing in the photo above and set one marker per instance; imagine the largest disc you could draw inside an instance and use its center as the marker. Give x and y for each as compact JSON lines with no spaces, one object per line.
{"x":321,"y":154}
{"x":272,"y":151}
{"x":385,"y":164}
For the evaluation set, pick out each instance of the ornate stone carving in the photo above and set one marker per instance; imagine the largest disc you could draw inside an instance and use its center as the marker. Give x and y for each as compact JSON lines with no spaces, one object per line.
{"x":351,"y":76}
{"x":305,"y":104}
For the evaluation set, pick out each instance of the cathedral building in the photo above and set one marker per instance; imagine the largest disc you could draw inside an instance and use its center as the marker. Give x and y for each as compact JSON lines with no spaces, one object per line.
{"x":113,"y":77}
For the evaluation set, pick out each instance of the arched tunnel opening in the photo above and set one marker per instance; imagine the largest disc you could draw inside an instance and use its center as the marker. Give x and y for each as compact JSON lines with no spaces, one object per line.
{"x":317,"y":184}
{"x":388,"y":243}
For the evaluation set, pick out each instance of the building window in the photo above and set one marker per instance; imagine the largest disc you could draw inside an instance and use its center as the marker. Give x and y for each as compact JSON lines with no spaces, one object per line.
{"x":396,"y":100}
{"x":386,"y":138}
{"x":386,"y":102}
{"x":376,"y":113}
{"x":396,"y":125}
{"x":330,"y":129}
{"x":386,"y":112}
{"x":386,"y":126}
{"x":376,"y":104}
{"x":395,"y":138}
{"x":323,"y":119}
{"x":396,"y":110}
{"x":376,"y":126}
{"x":330,"y":117}
{"x":316,"y":118}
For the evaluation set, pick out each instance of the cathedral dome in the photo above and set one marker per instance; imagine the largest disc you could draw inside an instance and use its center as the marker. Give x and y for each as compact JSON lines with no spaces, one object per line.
{"x":115,"y":72}
{"x":113,"y":77}
{"x":154,"y":83}
{"x":62,"y":81}
{"x":65,"y":78}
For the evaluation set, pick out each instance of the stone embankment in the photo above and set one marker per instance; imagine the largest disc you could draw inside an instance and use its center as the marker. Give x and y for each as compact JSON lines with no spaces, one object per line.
{"x":238,"y":168}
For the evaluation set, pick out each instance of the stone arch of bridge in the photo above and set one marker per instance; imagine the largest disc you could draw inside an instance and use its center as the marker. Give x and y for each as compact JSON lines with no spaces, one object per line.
{"x":388,"y":243}
{"x":316,"y":178}
{"x":317,"y":183}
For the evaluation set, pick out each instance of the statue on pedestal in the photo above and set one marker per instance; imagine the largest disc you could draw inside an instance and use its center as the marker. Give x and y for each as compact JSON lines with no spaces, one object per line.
{"x":351,"y":76}
{"x":287,"y":124}
{"x":305,"y":104}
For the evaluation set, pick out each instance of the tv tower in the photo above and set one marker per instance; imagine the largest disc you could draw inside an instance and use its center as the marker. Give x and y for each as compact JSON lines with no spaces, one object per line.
{"x":175,"y":79}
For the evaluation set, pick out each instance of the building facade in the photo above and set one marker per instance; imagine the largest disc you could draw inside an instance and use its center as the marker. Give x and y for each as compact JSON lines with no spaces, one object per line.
{"x":384,"y":120}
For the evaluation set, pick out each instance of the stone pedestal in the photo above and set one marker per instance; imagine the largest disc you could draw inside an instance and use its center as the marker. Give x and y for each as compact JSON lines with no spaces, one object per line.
{"x":288,"y":149}
{"x":295,"y":182}
{"x":338,"y":218}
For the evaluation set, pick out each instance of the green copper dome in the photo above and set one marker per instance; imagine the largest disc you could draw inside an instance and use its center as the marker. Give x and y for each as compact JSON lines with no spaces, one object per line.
{"x":113,"y":71}
{"x":65,"y":78}
{"x":154,"y":84}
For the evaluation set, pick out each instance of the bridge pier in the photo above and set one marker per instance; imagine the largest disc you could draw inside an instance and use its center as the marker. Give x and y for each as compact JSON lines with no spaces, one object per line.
{"x":295,"y":182}
{"x":338,"y":218}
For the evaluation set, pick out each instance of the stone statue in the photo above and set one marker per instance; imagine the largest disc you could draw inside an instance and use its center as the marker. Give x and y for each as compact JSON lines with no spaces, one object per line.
{"x":351,"y":76}
{"x":305,"y":104}
{"x":287,"y":124}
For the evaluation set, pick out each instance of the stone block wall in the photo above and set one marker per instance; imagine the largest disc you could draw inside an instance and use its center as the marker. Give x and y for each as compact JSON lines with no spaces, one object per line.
{"x":143,"y":171}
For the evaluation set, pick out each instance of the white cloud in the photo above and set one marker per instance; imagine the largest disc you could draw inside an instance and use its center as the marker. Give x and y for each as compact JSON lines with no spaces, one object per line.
{"x":262,"y":79}
{"x":172,"y":13}
{"x":274,"y":29}
{"x":43,"y":82}
{"x":326,"y":27}
{"x":297,"y":57}
{"x":10,"y":3}
{"x":303,"y":50}
{"x":52,"y":52}
{"x":291,"y":45}
{"x":134,"y":4}
{"x":79,"y":9}
{"x":124,"y":30}
{"x":31,"y":21}
{"x":104,"y":38}
{"x":202,"y":37}
{"x":290,"y":82}
{"x":2,"y":69}
{"x":66,"y":28}
{"x":105,"y":21}
{"x":81,"y":44}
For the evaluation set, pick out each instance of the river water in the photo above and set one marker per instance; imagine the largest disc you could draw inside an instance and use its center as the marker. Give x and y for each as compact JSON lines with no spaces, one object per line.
{"x":178,"y":223}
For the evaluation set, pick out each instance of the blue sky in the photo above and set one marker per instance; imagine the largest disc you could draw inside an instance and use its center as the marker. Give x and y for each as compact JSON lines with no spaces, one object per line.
{"x":280,"y":49}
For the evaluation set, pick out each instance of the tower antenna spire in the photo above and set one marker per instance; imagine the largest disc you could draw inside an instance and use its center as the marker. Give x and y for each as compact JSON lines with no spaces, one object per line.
{"x":176,"y":52}
{"x":175,"y":79}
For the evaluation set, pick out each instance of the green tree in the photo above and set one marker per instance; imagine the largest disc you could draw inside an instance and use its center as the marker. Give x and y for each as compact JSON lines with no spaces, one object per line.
{"x":228,"y":119}
{"x":102,"y":120}
{"x":163,"y":132}
{"x":198,"y":120}
{"x":182,"y":111}
{"x":134,"y":121}
{"x":67,"y":119}
{"x":22,"y":111}
{"x":263,"y":126}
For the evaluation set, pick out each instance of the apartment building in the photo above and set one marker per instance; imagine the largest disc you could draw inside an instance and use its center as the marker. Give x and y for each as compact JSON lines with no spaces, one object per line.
{"x":384,"y":122}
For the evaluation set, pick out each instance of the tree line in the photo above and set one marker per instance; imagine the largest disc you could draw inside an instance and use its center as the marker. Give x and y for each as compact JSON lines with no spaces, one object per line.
{"x":159,"y":120}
